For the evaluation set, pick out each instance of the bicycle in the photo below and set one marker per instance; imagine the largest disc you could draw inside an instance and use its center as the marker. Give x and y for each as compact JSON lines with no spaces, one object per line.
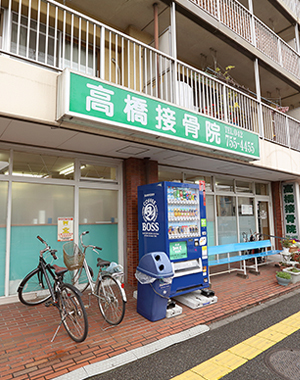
{"x":107,"y":288}
{"x":45,"y":284}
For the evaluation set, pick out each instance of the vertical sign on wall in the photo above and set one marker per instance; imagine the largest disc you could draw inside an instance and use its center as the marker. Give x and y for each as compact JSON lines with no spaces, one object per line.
{"x":64,"y":229}
{"x":290,"y":209}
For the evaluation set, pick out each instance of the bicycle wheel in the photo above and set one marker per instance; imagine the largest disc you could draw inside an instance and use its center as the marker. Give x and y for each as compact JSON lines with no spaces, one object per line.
{"x":110,"y":300}
{"x":78,"y":278}
{"x":33,"y":289}
{"x":73,"y":313}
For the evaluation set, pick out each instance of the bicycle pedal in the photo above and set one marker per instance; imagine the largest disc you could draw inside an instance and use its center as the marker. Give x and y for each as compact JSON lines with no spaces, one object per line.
{"x":49,"y":303}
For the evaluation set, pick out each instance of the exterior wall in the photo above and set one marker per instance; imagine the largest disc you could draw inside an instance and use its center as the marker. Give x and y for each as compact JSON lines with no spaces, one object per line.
{"x":277,"y":157}
{"x":137,"y":172}
{"x":30,"y":92}
{"x":27,"y":91}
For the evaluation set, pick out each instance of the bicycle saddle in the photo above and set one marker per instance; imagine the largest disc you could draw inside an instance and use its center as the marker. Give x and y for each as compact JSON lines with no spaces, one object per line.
{"x":59,"y":270}
{"x":102,"y":263}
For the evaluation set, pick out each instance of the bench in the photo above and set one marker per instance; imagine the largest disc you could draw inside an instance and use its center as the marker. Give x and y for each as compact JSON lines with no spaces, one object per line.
{"x":241,"y":256}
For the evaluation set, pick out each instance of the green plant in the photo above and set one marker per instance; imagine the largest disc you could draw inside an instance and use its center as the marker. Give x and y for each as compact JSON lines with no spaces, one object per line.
{"x":287,"y":242}
{"x":294,"y":270}
{"x":285,"y":275}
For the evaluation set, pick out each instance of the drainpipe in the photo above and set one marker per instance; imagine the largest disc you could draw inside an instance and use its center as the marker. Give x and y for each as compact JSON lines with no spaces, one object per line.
{"x":156,"y":45}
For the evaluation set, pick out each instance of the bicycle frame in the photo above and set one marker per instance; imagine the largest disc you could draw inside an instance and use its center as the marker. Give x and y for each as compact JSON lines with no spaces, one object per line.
{"x":43,"y":265}
{"x":93,"y":284}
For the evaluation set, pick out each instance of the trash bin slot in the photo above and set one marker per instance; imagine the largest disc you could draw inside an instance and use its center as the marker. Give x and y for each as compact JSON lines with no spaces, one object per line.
{"x":157,"y":257}
{"x":161,"y":267}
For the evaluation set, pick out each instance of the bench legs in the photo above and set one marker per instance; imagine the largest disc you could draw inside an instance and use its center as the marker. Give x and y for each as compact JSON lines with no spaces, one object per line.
{"x":243,"y":270}
{"x":253,"y":268}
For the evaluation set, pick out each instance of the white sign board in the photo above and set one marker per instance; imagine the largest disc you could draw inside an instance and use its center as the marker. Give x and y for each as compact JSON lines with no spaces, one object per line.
{"x":64,"y":229}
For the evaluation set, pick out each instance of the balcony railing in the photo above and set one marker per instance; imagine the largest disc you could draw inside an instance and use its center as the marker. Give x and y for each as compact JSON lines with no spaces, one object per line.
{"x":49,"y":34}
{"x":238,"y":18}
{"x":293,"y":5}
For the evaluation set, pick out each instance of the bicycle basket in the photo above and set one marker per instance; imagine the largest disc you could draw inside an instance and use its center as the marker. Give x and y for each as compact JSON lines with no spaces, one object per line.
{"x":73,"y":256}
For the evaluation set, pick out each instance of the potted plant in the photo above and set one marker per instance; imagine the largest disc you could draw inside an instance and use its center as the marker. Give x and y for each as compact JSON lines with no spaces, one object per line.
{"x":294,"y":272}
{"x":286,"y":243}
{"x":283,"y":278}
{"x":294,"y":248}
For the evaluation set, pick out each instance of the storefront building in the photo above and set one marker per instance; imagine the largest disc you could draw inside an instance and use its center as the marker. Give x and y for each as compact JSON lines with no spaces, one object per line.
{"x":76,"y":140}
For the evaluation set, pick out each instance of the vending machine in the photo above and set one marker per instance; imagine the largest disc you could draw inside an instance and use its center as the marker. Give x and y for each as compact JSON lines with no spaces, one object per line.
{"x":172,"y":219}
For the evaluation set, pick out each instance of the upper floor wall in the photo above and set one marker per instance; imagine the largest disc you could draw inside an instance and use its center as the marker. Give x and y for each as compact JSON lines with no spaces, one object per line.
{"x":37,"y":100}
{"x":51,"y":35}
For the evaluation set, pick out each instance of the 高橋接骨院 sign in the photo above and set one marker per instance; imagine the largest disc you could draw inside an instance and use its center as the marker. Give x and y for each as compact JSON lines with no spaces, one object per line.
{"x":85,"y":98}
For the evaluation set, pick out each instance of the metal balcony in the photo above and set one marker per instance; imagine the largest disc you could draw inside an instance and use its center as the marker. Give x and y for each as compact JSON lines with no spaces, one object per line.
{"x":55,"y":36}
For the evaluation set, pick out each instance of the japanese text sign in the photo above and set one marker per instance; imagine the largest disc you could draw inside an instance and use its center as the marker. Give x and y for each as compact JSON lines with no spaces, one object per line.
{"x":290,"y":210}
{"x":95,"y":100}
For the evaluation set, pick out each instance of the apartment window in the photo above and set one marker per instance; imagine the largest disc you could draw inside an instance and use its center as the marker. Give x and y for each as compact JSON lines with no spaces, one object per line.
{"x":24,"y":40}
{"x":74,"y":54}
{"x":44,"y":44}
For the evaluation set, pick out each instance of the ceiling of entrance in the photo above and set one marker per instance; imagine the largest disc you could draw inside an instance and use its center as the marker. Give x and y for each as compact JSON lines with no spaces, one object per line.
{"x":30,"y":134}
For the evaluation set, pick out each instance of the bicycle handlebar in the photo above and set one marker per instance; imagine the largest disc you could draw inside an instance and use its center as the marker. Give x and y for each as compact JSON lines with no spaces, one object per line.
{"x":40,"y":239}
{"x":48,"y":248}
{"x":88,"y":246}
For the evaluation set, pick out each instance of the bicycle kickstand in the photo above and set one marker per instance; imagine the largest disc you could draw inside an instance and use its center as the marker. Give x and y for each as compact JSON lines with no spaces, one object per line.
{"x":56,"y":332}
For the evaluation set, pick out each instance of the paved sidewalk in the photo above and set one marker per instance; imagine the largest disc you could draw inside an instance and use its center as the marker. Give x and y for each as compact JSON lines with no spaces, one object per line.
{"x":26,"y":332}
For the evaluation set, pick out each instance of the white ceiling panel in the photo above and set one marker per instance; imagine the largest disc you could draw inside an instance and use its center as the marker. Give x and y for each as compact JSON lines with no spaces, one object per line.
{"x":32,"y":134}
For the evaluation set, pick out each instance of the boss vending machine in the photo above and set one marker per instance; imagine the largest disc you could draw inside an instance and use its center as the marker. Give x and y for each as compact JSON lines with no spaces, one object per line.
{"x":172,"y":219}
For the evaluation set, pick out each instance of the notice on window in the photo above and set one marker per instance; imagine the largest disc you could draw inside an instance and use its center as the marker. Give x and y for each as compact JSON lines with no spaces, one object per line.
{"x":64,"y":229}
{"x":247,"y":210}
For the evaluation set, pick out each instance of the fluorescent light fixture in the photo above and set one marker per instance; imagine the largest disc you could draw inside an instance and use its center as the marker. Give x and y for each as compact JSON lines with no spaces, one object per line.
{"x":69,"y":170}
{"x":28,"y":175}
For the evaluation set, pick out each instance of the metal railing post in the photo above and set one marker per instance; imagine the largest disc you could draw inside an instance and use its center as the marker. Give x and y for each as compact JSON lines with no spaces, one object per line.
{"x":102,"y":53}
{"x":174,"y":50}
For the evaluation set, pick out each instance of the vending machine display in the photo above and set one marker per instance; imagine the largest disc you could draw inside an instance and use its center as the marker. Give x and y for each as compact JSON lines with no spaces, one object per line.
{"x":172,"y":219}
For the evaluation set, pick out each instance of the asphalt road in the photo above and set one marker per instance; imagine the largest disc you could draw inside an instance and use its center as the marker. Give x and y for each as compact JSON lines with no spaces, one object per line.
{"x":179,"y":358}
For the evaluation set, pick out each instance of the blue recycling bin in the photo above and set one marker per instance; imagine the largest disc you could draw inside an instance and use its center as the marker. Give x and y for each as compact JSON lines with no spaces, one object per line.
{"x":154,"y":274}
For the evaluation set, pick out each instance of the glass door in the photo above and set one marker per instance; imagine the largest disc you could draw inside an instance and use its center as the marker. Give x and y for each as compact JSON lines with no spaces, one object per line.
{"x":247,"y":224}
{"x":263,"y":219}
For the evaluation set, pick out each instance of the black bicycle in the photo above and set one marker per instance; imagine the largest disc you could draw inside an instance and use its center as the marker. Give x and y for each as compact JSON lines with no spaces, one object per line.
{"x":45,"y":284}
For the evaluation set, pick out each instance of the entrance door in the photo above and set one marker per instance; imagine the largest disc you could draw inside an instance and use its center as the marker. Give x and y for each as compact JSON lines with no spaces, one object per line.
{"x":263,"y":218}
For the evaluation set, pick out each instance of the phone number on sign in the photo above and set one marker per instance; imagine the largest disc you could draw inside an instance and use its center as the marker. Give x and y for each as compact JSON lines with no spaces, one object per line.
{"x":245,"y":146}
